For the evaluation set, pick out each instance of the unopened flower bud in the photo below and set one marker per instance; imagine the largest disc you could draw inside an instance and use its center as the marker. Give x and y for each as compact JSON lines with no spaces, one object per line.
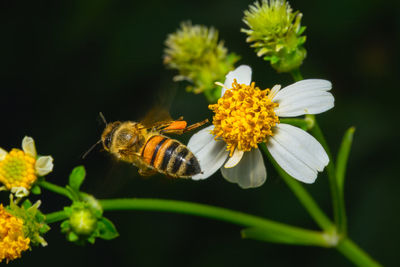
{"x":276,"y":34}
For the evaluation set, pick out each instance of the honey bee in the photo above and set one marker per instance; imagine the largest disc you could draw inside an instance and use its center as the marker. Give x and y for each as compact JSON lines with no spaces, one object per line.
{"x":146,"y":146}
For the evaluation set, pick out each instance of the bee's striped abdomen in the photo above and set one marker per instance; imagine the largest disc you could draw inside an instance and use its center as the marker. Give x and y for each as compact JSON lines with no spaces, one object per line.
{"x":170,"y":157}
{"x":151,"y":148}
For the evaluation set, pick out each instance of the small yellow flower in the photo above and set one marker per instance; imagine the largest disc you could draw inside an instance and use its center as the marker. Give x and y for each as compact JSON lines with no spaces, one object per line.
{"x":12,"y":239}
{"x":20,"y":168}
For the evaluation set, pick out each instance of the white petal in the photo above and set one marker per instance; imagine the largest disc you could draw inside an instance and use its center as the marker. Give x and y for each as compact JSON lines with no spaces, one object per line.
{"x":234,"y":160}
{"x":44,"y":165}
{"x":304,"y":97}
{"x":197,"y":141}
{"x":28,"y":145}
{"x":242,"y":74}
{"x":274,"y":91}
{"x":19,"y":191}
{"x":211,"y":154}
{"x":249,"y":173}
{"x":3,"y":154}
{"x":297,"y":152}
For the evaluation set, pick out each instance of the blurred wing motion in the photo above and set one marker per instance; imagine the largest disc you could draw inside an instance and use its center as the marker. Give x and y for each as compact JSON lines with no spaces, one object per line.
{"x":156,"y":115}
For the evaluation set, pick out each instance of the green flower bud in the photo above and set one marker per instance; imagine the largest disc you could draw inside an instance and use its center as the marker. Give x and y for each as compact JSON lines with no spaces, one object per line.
{"x":275,"y":33}
{"x":85,"y":222}
{"x":82,"y":221}
{"x":199,"y":57}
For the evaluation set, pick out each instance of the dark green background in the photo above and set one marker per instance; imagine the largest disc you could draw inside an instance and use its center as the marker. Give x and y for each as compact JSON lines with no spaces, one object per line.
{"x":64,"y":61}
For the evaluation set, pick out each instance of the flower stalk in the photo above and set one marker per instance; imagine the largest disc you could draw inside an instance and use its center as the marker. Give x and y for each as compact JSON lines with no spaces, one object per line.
{"x":54,"y":188}
{"x":266,"y":229}
{"x":339,"y":210}
{"x":234,"y":217}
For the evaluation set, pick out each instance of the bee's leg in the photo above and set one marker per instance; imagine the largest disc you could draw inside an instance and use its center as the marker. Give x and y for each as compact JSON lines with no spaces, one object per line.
{"x":147,"y":172}
{"x":179,"y":127}
{"x":196,"y":125}
{"x":169,"y":124}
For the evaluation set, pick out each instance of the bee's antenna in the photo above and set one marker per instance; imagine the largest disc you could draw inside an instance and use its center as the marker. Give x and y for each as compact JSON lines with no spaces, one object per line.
{"x":91,"y":148}
{"x":103,"y":118}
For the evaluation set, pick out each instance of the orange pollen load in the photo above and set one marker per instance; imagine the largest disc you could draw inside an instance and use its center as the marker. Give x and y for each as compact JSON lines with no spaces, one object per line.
{"x":244,"y":116}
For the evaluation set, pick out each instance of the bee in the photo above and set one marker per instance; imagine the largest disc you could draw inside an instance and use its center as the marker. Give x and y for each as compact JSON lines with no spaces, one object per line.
{"x":145,"y":146}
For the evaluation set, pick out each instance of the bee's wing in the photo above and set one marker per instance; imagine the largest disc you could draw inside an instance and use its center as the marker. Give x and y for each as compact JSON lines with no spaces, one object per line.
{"x":156,"y":116}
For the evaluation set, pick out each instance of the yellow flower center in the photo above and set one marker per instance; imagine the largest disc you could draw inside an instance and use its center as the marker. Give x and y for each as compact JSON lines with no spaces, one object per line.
{"x":244,"y":116}
{"x":17,"y":169}
{"x":12,"y":239}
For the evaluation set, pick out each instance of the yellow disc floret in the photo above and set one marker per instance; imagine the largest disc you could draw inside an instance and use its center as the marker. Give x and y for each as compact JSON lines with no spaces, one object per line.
{"x":244,"y":116}
{"x":17,"y":169}
{"x":12,"y":239}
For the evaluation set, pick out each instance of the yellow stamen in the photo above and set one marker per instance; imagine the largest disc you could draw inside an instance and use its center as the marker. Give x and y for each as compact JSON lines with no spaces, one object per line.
{"x":12,"y":239}
{"x":17,"y":169}
{"x":244,"y":116}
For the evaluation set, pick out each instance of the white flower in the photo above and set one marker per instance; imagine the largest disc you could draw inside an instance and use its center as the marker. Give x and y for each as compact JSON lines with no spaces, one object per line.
{"x":238,"y":128}
{"x":19,"y":169}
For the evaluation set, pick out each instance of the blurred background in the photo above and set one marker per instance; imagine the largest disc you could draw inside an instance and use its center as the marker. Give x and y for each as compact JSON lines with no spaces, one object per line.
{"x":64,"y":61}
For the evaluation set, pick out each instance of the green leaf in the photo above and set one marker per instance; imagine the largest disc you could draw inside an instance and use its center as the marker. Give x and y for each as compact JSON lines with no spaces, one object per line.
{"x":343,"y":155}
{"x":27,"y":204}
{"x":76,"y":177}
{"x":72,"y":237}
{"x":73,"y":193}
{"x":303,"y":237}
{"x":65,"y":226}
{"x":91,"y":239}
{"x":107,"y":229}
{"x":36,"y":190}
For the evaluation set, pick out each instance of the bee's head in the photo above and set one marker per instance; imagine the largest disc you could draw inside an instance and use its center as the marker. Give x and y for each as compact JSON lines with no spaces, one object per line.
{"x":108,"y":134}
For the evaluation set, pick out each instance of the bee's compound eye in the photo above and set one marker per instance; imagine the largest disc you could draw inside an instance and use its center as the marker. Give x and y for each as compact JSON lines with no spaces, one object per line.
{"x":107,"y":141}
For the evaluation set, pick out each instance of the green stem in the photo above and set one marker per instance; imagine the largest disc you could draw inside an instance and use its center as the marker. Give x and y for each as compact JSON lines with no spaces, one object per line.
{"x":56,"y":216}
{"x":235,"y":217}
{"x":266,"y":230}
{"x":304,"y":197}
{"x":355,"y":254}
{"x":296,"y":74}
{"x":339,"y":211}
{"x":54,"y":188}
{"x":343,"y":156}
{"x":341,"y":164}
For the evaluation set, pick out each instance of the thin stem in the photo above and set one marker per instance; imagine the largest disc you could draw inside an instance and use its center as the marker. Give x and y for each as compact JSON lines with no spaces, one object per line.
{"x":304,"y":197}
{"x":296,"y":74}
{"x":355,"y":254}
{"x":56,"y":216}
{"x":212,"y":212}
{"x":343,"y":156}
{"x":339,"y":211}
{"x":54,"y":188}
{"x":341,"y":164}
